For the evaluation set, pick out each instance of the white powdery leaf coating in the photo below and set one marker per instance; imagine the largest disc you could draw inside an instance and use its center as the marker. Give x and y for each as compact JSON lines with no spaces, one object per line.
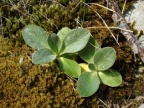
{"x":136,"y":13}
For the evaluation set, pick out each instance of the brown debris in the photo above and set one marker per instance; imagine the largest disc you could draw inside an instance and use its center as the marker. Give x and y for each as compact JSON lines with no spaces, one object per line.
{"x":120,"y":20}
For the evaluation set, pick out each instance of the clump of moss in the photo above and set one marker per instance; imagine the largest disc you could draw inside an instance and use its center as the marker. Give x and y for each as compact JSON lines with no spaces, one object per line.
{"x":27,"y":85}
{"x":125,"y":62}
{"x":23,"y":84}
{"x":49,"y":15}
{"x":127,"y":5}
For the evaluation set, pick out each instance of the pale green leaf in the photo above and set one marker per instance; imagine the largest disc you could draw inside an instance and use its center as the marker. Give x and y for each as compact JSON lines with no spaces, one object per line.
{"x":72,"y":56}
{"x":110,"y":77}
{"x":35,"y":36}
{"x":76,"y":40}
{"x":69,"y":67}
{"x":54,"y":42}
{"x":105,"y":58}
{"x":88,"y":83}
{"x":43,"y":56}
{"x":88,"y":52}
{"x":92,"y":67}
{"x":63,"y":32}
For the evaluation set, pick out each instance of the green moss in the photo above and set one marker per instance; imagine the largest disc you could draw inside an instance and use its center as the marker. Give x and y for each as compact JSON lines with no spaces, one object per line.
{"x":27,"y":85}
{"x":51,"y":15}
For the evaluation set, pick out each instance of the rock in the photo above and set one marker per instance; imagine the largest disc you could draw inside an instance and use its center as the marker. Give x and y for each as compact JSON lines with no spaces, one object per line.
{"x":141,"y":106}
{"x":136,"y":14}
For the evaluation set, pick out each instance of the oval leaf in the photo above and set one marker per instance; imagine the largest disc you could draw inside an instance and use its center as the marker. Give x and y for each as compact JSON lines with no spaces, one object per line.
{"x":69,"y":67}
{"x":76,"y":40}
{"x":54,"y":42}
{"x":110,"y":77}
{"x":63,"y":32}
{"x":88,"y":52}
{"x":43,"y":56}
{"x":88,"y":83}
{"x":105,"y":58}
{"x":35,"y":36}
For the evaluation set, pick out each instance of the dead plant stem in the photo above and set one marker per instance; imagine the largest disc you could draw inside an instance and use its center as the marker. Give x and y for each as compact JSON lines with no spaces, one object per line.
{"x":103,"y":22}
{"x":130,"y":37}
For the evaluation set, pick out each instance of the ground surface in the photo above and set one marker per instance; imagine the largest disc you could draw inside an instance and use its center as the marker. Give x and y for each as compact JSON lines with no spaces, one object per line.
{"x":23,"y":84}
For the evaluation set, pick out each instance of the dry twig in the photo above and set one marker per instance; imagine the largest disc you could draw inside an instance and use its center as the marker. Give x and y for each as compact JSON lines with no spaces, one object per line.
{"x":103,"y":22}
{"x":120,"y":20}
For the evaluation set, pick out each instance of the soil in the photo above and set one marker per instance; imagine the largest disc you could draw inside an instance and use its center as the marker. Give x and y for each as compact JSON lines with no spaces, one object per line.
{"x":25,"y":85}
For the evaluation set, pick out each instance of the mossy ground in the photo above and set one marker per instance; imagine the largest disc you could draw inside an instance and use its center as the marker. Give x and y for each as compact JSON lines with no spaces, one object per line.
{"x":23,"y":84}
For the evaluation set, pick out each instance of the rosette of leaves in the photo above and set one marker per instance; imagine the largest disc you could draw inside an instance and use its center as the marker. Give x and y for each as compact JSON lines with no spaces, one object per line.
{"x":67,"y":44}
{"x":62,"y":46}
{"x":98,"y":70}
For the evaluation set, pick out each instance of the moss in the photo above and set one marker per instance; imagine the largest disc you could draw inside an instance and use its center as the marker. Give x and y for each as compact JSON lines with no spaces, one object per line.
{"x":27,"y":85}
{"x":127,"y":5}
{"x":47,"y":15}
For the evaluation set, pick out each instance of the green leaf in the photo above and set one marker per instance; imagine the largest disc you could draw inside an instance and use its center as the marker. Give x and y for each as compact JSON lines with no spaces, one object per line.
{"x":69,"y":67}
{"x":35,"y":36}
{"x":54,"y":42}
{"x":76,"y":40}
{"x":110,"y":77}
{"x":63,"y":32}
{"x":88,"y":52}
{"x":105,"y":58}
{"x":43,"y":56}
{"x":88,"y":83}
{"x":92,"y":67}
{"x":72,"y":56}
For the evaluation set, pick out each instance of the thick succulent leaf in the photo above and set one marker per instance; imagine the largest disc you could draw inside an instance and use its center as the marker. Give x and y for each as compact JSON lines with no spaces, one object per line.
{"x":54,"y":42}
{"x":88,"y":83}
{"x":63,"y":32}
{"x":43,"y":56}
{"x":76,"y":40}
{"x":35,"y":36}
{"x":110,"y":77}
{"x":105,"y":58}
{"x":69,"y":67}
{"x":88,"y":52}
